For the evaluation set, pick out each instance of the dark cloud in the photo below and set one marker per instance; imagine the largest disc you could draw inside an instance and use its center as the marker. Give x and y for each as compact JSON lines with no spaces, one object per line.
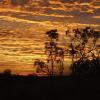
{"x":65,"y":1}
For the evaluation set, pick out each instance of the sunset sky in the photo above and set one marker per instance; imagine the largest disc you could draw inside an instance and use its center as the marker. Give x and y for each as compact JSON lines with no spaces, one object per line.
{"x":68,"y":11}
{"x":65,"y":11}
{"x":23,"y":27}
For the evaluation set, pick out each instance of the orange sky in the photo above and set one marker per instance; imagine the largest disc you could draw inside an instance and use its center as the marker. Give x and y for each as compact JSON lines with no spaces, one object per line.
{"x":22,"y":30}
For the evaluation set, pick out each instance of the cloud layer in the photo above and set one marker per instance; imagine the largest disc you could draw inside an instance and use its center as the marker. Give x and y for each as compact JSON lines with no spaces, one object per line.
{"x":66,"y":11}
{"x":77,"y":11}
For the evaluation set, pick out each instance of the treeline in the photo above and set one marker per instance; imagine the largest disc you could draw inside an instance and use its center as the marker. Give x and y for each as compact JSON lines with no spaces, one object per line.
{"x":83,"y":49}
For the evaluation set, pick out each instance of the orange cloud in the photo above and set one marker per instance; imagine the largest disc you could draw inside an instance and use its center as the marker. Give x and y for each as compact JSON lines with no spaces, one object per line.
{"x":96,"y":17}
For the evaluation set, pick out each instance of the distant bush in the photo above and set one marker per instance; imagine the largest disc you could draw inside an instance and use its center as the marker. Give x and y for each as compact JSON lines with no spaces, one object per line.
{"x":7,"y":72}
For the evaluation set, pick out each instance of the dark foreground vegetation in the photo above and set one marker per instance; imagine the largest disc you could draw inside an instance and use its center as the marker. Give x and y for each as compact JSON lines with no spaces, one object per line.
{"x":83,"y":82}
{"x":15,"y":87}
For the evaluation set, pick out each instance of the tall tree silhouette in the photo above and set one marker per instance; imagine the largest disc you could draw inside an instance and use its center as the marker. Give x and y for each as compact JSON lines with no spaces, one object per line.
{"x":84,"y":42}
{"x":60,"y":59}
{"x":53,"y":51}
{"x":51,"y":46}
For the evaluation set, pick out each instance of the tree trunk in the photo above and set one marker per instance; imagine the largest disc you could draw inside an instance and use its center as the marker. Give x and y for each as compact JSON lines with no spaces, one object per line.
{"x":61,"y":68}
{"x":52,"y":66}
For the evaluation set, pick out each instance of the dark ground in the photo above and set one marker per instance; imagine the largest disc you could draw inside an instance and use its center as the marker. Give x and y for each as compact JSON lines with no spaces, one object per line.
{"x":14,"y":87}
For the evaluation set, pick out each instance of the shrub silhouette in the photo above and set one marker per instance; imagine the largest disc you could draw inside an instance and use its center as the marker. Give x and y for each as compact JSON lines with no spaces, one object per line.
{"x":7,"y":72}
{"x":41,"y":66}
{"x":86,"y":67}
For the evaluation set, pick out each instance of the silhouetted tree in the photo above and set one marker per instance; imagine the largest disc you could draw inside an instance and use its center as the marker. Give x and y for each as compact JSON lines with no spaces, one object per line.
{"x":54,"y":53}
{"x":84,"y":45}
{"x":60,"y":58}
{"x":83,"y":48}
